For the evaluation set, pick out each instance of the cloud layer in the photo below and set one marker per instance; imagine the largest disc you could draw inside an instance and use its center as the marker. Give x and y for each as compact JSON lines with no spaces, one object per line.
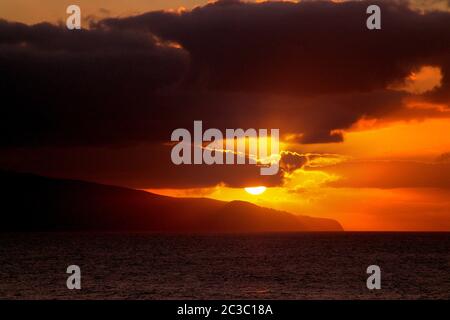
{"x":311,"y":69}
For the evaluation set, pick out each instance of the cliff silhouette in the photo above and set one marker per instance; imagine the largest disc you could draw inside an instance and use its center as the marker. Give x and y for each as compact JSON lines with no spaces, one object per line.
{"x":34,"y":203}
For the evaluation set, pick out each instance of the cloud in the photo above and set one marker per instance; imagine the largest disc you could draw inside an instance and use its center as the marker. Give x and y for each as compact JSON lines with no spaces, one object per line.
{"x":140,"y":166}
{"x":302,"y":48}
{"x":78,"y":88}
{"x":311,"y":69}
{"x":291,"y":161}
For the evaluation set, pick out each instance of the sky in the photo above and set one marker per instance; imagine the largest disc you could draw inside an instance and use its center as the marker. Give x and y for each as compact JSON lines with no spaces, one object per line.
{"x":364,"y":116}
{"x":31,"y":12}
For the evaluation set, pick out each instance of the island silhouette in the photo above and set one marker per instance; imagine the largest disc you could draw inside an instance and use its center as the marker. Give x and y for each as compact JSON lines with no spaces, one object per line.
{"x":36,"y":203}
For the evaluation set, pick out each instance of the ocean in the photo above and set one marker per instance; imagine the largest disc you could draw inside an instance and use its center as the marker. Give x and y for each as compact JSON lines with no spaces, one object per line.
{"x":235,"y":266}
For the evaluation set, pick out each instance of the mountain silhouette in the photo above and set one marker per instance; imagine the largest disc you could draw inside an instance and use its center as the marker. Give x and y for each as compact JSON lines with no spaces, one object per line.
{"x":34,"y":203}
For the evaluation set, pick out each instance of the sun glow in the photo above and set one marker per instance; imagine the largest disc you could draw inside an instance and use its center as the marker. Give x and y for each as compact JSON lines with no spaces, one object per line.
{"x":256,"y":190}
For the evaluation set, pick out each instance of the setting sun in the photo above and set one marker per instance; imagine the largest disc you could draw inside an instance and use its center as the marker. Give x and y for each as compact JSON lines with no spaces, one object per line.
{"x":255,"y":190}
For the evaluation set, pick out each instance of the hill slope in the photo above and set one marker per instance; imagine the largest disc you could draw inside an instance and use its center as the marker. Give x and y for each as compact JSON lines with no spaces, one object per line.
{"x":34,"y":203}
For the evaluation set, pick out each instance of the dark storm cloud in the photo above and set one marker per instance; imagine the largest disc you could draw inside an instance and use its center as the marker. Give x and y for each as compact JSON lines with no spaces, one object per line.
{"x":85,"y":87}
{"x":138,"y":166}
{"x":310,"y":69}
{"x":306,"y":48}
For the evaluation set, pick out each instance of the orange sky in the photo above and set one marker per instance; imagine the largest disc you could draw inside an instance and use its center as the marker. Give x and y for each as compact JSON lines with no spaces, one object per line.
{"x":30,"y":11}
{"x":308,"y":191}
{"x":311,"y":192}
